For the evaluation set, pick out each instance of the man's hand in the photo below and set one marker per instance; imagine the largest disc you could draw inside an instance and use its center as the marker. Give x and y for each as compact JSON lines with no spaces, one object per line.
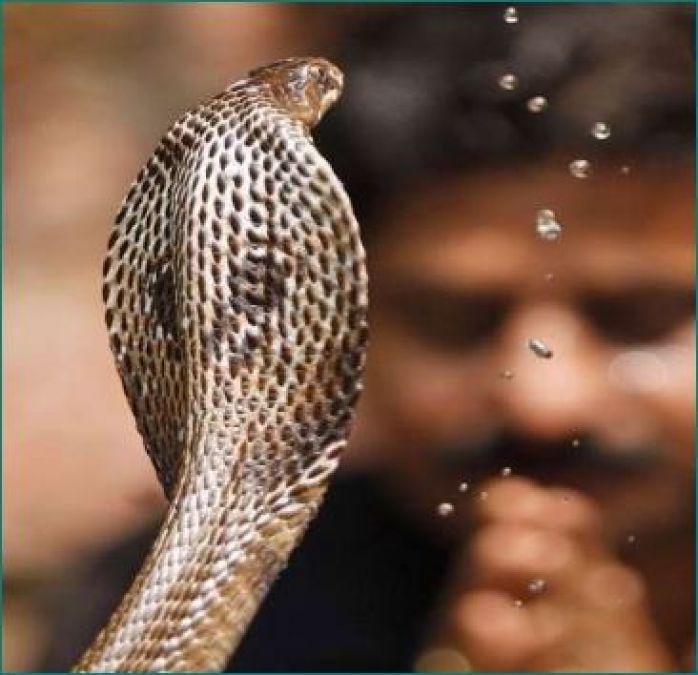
{"x":544,"y":592}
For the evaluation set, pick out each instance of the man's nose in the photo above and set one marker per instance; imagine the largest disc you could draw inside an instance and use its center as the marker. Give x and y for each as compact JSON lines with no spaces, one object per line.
{"x":555,"y":374}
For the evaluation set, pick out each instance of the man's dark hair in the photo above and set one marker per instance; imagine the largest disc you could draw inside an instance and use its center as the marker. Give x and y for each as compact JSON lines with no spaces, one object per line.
{"x":423,"y":99}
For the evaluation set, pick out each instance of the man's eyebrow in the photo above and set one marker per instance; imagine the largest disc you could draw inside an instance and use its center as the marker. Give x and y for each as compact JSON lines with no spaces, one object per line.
{"x":445,"y":286}
{"x":634,"y":285}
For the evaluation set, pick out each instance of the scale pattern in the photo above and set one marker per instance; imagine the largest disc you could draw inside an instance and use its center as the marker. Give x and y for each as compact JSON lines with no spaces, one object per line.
{"x":236,"y":297}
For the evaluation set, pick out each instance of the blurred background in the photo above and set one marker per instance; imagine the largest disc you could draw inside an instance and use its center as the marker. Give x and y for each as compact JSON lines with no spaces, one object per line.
{"x":90,"y":88}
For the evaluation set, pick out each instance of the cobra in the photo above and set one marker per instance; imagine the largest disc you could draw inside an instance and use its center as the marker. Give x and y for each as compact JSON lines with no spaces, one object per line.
{"x":236,"y":297}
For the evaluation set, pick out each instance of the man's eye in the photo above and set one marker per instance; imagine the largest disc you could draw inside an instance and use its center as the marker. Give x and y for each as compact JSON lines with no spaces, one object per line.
{"x":642,"y":314}
{"x":449,"y":321}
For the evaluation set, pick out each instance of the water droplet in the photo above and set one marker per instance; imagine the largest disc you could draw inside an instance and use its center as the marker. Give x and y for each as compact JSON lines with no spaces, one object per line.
{"x":463,"y":487}
{"x":540,"y":349}
{"x":518,"y":603}
{"x":625,"y":169}
{"x":511,"y":15}
{"x":508,"y":81}
{"x":601,"y":131}
{"x":507,"y":374}
{"x":546,"y":226}
{"x":537,"y":104}
{"x":549,"y":276}
{"x":506,"y":471}
{"x":576,"y":442}
{"x":631,"y":539}
{"x":537,"y":586}
{"x":483,"y":495}
{"x":444,"y":509}
{"x":580,"y":168}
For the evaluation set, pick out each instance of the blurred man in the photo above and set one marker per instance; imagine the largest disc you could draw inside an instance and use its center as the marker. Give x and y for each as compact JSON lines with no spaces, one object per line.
{"x":526,"y":496}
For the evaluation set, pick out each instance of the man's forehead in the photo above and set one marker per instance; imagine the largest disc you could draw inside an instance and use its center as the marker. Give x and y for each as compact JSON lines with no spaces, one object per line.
{"x":616,"y":227}
{"x":649,"y":199}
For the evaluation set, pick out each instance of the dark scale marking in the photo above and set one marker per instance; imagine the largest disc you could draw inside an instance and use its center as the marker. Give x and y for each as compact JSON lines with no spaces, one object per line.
{"x":257,"y":195}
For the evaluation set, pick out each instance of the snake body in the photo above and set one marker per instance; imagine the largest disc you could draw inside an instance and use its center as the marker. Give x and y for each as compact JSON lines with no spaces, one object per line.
{"x":236,"y":296}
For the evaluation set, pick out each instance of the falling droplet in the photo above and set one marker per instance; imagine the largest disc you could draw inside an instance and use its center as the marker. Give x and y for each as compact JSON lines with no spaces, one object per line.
{"x":506,"y":471}
{"x":601,"y":131}
{"x":631,"y":539}
{"x":483,"y":495}
{"x":540,"y":349}
{"x":576,"y":443}
{"x":537,"y":586}
{"x":549,"y":276}
{"x":546,"y":226}
{"x":625,"y":169}
{"x":580,"y":168}
{"x":444,"y":509}
{"x":511,"y":15}
{"x":507,"y":374}
{"x":463,"y":487}
{"x":508,"y":81}
{"x":518,"y":603}
{"x":537,"y":104}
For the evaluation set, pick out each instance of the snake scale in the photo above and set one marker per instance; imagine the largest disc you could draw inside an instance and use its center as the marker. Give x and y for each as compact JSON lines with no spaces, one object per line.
{"x":236,"y":297}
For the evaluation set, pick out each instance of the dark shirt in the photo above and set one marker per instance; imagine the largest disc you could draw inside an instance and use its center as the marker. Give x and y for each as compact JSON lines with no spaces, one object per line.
{"x":355,"y":596}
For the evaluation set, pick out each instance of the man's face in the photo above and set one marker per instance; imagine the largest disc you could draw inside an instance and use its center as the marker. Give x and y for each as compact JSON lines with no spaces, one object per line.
{"x":461,"y":282}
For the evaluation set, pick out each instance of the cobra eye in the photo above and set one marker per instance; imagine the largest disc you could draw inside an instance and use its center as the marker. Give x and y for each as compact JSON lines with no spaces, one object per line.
{"x":640,"y":314}
{"x":449,"y":320}
{"x":320,"y":77}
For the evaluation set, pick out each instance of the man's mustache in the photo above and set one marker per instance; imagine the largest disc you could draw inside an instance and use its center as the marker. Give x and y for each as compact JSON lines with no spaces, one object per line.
{"x":567,"y":458}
